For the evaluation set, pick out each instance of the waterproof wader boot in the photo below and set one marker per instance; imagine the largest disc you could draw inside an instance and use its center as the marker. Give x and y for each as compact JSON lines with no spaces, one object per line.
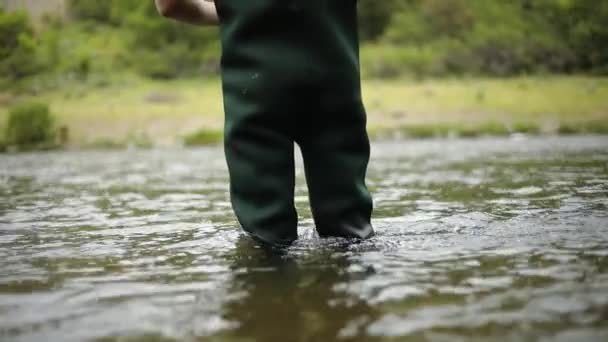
{"x":290,"y":72}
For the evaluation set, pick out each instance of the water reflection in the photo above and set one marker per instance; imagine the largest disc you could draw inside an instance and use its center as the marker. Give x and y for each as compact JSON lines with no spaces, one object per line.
{"x":290,"y":297}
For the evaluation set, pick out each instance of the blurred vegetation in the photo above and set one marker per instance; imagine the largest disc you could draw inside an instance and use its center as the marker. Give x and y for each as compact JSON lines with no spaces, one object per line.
{"x":422,"y":38}
{"x":18,"y":49}
{"x":91,"y":62}
{"x":204,"y":137}
{"x":30,"y":125}
{"x":487,"y":37}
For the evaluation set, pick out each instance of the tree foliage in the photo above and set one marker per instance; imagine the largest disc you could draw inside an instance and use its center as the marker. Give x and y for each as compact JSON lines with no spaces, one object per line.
{"x":374,"y":18}
{"x":494,"y":37}
{"x":18,"y":47}
{"x":586,"y":28}
{"x":91,"y":9}
{"x":167,"y":49}
{"x":418,"y":37}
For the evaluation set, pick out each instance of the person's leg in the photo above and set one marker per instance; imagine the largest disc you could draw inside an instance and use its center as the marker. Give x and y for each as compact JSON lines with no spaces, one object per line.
{"x":261,"y":164}
{"x":336,"y":153}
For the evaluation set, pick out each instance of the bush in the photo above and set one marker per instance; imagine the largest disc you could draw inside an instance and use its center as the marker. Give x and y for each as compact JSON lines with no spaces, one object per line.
{"x":30,"y":125}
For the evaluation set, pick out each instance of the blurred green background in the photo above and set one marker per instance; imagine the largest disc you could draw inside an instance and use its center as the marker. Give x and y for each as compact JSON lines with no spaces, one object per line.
{"x":113,"y":73}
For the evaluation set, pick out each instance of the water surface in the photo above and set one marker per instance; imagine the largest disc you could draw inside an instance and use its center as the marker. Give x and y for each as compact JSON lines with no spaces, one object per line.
{"x":478,"y":240}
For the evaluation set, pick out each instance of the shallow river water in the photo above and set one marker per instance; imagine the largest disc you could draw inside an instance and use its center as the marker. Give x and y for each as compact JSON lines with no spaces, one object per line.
{"x":478,"y":240}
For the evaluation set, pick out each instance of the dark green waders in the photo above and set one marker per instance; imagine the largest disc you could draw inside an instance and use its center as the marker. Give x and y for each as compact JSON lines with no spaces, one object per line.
{"x":290,"y":72}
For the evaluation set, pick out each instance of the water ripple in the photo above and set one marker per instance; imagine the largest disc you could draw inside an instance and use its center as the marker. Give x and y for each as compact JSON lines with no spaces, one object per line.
{"x":496,"y":239}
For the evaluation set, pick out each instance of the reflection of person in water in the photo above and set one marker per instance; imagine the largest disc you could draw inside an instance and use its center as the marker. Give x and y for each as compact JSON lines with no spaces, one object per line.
{"x":290,"y":74}
{"x":288,"y":299}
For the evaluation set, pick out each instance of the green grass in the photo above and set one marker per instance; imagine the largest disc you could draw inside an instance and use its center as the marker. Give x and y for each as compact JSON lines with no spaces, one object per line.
{"x":131,"y":109}
{"x":204,"y":137}
{"x":515,"y":98}
{"x":471,"y":107}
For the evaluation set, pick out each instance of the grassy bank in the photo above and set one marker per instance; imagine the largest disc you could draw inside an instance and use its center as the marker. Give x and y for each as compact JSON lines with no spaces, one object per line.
{"x":144,"y":113}
{"x":475,"y":106}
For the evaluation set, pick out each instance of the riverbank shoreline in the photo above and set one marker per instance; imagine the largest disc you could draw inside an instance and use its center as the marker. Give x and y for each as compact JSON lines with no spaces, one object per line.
{"x":144,"y":113}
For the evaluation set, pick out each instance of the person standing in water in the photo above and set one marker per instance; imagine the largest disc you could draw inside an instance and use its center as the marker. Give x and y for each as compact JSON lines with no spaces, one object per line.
{"x":290,"y":74}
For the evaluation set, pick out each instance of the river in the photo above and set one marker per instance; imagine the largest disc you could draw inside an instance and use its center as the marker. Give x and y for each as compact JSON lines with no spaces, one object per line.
{"x":488,"y":239}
